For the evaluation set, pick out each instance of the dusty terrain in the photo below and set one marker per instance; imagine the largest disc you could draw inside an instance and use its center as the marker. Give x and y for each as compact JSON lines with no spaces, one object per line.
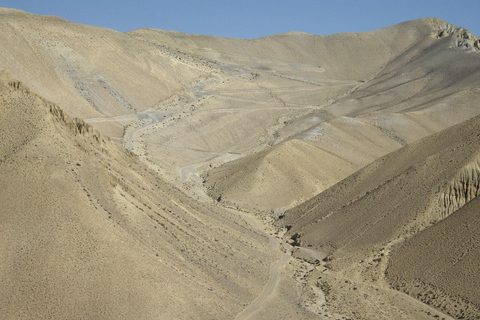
{"x":402,"y":197}
{"x":160,"y":175}
{"x":89,"y":232}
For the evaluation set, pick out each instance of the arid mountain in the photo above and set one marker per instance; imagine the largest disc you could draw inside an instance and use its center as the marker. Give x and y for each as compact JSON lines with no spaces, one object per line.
{"x":359,"y":220}
{"x":90,"y":232}
{"x":424,"y":83}
{"x":160,"y":175}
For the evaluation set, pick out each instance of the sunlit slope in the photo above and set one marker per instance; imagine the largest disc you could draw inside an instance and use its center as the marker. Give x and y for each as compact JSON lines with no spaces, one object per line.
{"x":284,"y":168}
{"x":430,"y":85}
{"x":91,"y":71}
{"x":189,"y":103}
{"x":346,"y":56}
{"x":87,"y":231}
{"x":343,"y":130}
{"x":358,"y":220}
{"x":399,"y":190}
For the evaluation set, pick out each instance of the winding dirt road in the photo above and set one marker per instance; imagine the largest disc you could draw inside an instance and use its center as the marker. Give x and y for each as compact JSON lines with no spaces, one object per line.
{"x":267,"y":292}
{"x":270,"y":287}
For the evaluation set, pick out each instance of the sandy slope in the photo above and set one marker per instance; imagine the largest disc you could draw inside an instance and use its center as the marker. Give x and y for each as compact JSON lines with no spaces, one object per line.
{"x":87,"y":231}
{"x":287,"y":164}
{"x":424,"y":86}
{"x":442,"y":264}
{"x":233,"y":98}
{"x":361,"y":218}
{"x":91,"y":230}
{"x":90,"y":71}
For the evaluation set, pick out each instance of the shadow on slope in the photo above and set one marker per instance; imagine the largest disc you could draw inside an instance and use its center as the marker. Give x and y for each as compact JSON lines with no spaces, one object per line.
{"x":439,"y":266}
{"x":360,"y":219}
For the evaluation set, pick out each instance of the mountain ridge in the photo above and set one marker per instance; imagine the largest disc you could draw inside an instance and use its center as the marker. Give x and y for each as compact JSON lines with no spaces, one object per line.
{"x":131,"y":164}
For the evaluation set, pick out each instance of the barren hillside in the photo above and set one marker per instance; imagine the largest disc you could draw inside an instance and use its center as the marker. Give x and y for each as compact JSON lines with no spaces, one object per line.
{"x":161,"y":175}
{"x":405,"y":194}
{"x":88,"y":231}
{"x":428,"y":84}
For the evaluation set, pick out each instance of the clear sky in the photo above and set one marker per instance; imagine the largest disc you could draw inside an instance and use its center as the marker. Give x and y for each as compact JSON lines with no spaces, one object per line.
{"x":253,"y":18}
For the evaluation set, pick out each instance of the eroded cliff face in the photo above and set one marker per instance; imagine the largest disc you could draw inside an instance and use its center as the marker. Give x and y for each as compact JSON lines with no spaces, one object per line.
{"x":439,"y":264}
{"x":75,"y":125}
{"x":461,"y":189}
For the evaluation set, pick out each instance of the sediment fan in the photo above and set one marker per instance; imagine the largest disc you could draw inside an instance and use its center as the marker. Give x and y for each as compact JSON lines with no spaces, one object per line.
{"x":160,"y":175}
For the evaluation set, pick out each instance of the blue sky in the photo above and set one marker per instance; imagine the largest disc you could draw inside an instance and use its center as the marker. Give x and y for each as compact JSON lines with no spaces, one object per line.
{"x":253,"y":18}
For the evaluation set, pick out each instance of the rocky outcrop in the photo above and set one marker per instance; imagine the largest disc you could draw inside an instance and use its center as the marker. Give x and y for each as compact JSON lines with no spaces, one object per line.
{"x":463,"y":38}
{"x":77,"y":126}
{"x":464,"y":187}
